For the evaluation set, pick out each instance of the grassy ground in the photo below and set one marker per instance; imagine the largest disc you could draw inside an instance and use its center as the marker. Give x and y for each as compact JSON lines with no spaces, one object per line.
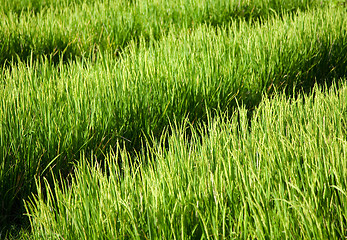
{"x":81,"y":77}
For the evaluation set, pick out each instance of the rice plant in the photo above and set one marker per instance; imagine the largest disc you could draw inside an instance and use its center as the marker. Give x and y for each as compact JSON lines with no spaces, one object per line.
{"x":82,"y":27}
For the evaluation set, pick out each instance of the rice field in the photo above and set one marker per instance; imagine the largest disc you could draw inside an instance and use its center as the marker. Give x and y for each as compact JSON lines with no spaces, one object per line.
{"x":173,"y":119}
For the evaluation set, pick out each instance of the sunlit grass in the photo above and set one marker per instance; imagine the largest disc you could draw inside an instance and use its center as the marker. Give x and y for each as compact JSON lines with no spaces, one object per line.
{"x":82,"y":27}
{"x":82,"y":79}
{"x":50,"y":113}
{"x":281,"y":175}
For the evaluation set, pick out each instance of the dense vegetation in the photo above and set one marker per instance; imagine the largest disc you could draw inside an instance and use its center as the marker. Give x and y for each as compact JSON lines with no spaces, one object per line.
{"x":173,"y":119}
{"x":82,"y":27}
{"x":281,"y":176}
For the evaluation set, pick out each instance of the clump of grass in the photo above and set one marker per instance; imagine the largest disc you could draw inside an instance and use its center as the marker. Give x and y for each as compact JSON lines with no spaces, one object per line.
{"x":281,"y":176}
{"x":50,"y":113}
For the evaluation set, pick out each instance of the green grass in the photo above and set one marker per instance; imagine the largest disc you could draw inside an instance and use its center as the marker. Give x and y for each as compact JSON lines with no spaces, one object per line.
{"x":81,"y":28}
{"x":50,"y":113}
{"x":280,"y":176}
{"x":79,"y":78}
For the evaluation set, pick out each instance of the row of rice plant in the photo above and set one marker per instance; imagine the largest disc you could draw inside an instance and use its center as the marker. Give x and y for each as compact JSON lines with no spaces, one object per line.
{"x":79,"y":28}
{"x":282,"y":175}
{"x":50,"y":113}
{"x":36,"y":6}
